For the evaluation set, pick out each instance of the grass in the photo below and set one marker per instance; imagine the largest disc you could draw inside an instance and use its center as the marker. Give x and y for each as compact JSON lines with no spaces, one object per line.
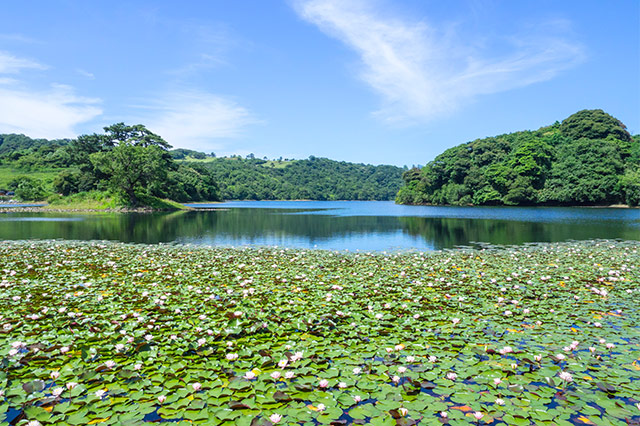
{"x":8,"y":174}
{"x":99,"y":200}
{"x":110,"y":333}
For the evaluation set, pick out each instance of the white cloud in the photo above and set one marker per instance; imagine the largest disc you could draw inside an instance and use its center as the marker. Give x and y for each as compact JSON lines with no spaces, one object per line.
{"x":50,"y":114}
{"x":197,"y":120}
{"x":421,"y":71}
{"x":86,"y":74}
{"x":10,"y":64}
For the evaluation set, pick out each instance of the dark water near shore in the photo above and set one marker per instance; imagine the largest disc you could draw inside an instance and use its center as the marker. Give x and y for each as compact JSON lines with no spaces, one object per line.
{"x":352,"y":225}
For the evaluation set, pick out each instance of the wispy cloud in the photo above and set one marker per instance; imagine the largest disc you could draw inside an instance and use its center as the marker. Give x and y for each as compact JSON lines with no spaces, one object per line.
{"x":422,"y":71}
{"x":10,"y":64}
{"x":86,"y":74}
{"x":196,"y":119}
{"x":52,"y":113}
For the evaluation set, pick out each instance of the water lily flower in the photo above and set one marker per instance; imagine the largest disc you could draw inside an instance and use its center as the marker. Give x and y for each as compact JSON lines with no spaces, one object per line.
{"x":402,"y":369}
{"x":395,"y":379}
{"x":499,"y":401}
{"x":403,"y":411}
{"x":275,"y":418}
{"x":497,"y":381}
{"x":162,"y":399}
{"x":451,"y":375}
{"x":321,"y":407}
{"x":443,"y":414}
{"x":323,"y":383}
{"x":57,"y":392}
{"x":137,"y":367}
{"x":13,"y":352}
{"x":411,"y":358}
{"x":196,"y":386}
{"x":71,"y":385}
{"x":64,"y":349}
{"x":432,"y":358}
{"x":289,"y":375}
{"x":506,"y":350}
{"x":275,"y":375}
{"x":455,"y":320}
{"x":478,"y":415}
{"x":54,"y":375}
{"x":34,"y":423}
{"x":610,"y":346}
{"x":538,"y":358}
{"x":249,"y":375}
{"x":560,"y":356}
{"x":565,"y":376}
{"x":342,"y":385}
{"x":283,"y":363}
{"x":109,"y":364}
{"x":100,"y":393}
{"x":231,"y":357}
{"x":357,"y":370}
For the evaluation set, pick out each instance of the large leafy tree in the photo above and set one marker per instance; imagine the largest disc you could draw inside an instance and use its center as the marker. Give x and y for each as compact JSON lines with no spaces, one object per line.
{"x":132,"y":169}
{"x":133,"y":159}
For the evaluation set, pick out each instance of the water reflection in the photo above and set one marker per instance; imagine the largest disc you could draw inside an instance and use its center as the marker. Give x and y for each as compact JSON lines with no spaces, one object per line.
{"x":363,"y":226}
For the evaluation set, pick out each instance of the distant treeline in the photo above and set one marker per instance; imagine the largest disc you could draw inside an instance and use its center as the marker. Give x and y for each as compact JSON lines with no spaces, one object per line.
{"x":588,"y":159}
{"x":311,"y":179}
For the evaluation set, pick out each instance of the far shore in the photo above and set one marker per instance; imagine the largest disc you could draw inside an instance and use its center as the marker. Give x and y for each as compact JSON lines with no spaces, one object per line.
{"x":39,"y":207}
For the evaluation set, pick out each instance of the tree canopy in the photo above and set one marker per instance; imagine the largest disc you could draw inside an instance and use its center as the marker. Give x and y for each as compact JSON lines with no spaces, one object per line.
{"x":588,"y":159}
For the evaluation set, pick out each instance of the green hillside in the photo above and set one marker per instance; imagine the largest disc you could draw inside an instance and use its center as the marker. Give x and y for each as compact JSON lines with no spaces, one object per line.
{"x":39,"y":168}
{"x":311,"y":179}
{"x":588,"y":159}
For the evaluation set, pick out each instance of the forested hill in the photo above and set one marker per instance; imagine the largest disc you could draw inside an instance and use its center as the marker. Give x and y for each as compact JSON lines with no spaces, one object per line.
{"x":39,"y":169}
{"x":311,"y":179}
{"x":588,"y":159}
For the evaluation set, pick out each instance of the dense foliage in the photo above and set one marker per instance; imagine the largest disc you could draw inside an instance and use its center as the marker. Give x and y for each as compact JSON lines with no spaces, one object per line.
{"x":130,"y":161}
{"x":116,"y":334}
{"x":588,"y":159}
{"x":311,"y":179}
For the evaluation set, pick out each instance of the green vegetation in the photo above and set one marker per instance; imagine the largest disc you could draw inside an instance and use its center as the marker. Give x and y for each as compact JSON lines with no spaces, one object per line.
{"x":110,"y":333}
{"x":129,"y":165}
{"x":588,"y":159}
{"x":312,"y":179}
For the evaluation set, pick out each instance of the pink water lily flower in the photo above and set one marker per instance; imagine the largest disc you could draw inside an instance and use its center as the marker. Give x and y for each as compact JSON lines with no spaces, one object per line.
{"x":196,"y":386}
{"x":323,"y":383}
{"x":275,"y":418}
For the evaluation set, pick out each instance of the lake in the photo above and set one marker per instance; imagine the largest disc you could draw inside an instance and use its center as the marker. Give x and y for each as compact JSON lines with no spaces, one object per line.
{"x":335,"y":225}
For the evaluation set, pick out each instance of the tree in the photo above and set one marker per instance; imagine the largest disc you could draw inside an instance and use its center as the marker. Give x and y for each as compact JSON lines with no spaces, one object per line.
{"x":132,"y":168}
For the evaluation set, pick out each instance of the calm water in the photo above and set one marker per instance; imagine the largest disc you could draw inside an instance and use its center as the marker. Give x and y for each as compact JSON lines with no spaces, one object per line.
{"x":352,"y":225}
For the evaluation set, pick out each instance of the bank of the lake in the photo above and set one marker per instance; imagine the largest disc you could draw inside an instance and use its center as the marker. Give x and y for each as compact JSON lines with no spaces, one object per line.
{"x":111,"y":333}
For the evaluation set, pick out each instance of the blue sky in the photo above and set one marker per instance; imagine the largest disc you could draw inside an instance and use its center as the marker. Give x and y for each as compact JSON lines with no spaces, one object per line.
{"x":372,"y":81}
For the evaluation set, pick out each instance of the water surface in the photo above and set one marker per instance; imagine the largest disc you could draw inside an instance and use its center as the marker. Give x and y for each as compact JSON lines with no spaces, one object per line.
{"x":336,"y":225}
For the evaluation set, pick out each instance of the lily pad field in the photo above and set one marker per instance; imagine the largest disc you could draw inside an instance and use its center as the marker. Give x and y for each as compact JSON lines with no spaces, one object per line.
{"x":122,"y":334}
